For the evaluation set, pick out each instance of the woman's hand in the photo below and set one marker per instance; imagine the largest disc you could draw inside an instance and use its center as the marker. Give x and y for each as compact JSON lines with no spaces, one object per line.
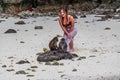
{"x":69,"y":36}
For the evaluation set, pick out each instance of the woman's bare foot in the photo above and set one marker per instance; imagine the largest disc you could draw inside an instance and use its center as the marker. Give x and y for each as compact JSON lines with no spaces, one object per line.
{"x":71,"y":50}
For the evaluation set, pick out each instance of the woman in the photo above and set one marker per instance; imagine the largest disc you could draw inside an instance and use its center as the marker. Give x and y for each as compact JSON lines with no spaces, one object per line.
{"x":67,"y":24}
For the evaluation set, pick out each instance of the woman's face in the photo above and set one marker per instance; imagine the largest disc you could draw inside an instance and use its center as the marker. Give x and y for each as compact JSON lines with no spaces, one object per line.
{"x":62,"y":13}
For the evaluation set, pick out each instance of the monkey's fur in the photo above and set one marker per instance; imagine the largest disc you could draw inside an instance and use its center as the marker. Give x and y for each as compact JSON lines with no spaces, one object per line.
{"x":53,"y":44}
{"x":63,"y":45}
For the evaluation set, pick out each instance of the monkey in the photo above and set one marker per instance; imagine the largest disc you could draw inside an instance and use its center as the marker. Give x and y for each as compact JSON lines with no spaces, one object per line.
{"x":62,"y":45}
{"x":53,"y":44}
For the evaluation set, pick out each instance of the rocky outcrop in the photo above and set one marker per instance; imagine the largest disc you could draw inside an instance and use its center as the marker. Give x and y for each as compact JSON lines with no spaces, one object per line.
{"x":55,"y":55}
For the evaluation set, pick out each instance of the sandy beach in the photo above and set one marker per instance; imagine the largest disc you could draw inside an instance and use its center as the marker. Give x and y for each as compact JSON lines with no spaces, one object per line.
{"x":97,"y":43}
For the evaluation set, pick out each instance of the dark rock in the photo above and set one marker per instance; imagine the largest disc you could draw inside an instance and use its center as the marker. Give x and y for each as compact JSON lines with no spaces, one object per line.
{"x":34,"y":67}
{"x":55,"y":55}
{"x":4,"y":66}
{"x":11,"y":31}
{"x":22,"y":42}
{"x":107,"y":28}
{"x":21,"y":72}
{"x":30,"y":75}
{"x":55,"y":63}
{"x":47,"y":63}
{"x":38,"y":27}
{"x":92,"y":56}
{"x":61,"y":64}
{"x":20,"y":22}
{"x":10,"y":70}
{"x":83,"y":57}
{"x":83,"y":16}
{"x":74,"y":70}
{"x":22,"y":62}
{"x":2,"y":21}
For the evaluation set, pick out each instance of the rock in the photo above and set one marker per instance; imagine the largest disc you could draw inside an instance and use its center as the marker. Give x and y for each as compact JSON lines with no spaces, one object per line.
{"x":92,"y":56}
{"x":30,"y":75}
{"x":55,"y":55}
{"x":22,"y":62}
{"x":21,"y":72}
{"x":2,"y":21}
{"x":34,"y":67}
{"x":47,"y":63}
{"x":20,"y":22}
{"x":74,"y":70}
{"x":45,"y":50}
{"x":11,"y":31}
{"x":10,"y":70}
{"x":107,"y":28}
{"x":4,"y":66}
{"x":38,"y":27}
{"x":62,"y":64}
{"x":22,"y":42}
{"x":83,"y":16}
{"x":55,"y":63}
{"x":83,"y":57}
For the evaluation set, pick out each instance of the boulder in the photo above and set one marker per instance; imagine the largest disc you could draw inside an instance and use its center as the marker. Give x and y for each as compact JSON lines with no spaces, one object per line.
{"x":55,"y":55}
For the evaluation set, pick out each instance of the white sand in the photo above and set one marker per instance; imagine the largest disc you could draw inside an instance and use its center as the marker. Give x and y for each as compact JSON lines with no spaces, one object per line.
{"x":91,"y":40}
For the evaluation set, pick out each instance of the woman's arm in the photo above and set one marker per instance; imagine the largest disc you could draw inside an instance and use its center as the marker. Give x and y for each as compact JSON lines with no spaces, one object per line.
{"x":72,"y":22}
{"x":63,"y":28}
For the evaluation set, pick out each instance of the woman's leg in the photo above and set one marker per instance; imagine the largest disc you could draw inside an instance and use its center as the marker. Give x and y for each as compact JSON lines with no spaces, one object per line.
{"x":71,"y":46}
{"x":73,"y":33}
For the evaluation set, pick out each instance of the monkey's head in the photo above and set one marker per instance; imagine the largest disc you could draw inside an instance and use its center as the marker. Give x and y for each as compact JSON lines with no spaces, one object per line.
{"x":62,"y":40}
{"x":55,"y":39}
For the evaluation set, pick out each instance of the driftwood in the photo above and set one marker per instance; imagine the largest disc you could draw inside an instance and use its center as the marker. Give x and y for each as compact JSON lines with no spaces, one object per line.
{"x":55,"y":55}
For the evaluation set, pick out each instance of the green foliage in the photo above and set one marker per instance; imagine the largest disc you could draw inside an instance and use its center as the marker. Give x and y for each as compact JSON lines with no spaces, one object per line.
{"x":2,"y":4}
{"x":26,"y":3}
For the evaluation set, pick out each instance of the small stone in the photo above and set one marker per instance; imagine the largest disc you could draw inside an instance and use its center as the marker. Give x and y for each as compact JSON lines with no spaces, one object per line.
{"x":22,"y":62}
{"x":55,"y":63}
{"x":63,"y":75}
{"x":47,"y":63}
{"x":107,"y":28}
{"x":43,"y":70}
{"x":33,"y":70}
{"x":10,"y":70}
{"x":4,"y":66}
{"x":74,"y":70}
{"x":61,"y":64}
{"x":11,"y":31}
{"x":39,"y":53}
{"x":118,"y":52}
{"x":60,"y":72}
{"x":21,"y":72}
{"x":22,"y":42}
{"x":92,"y":56}
{"x":10,"y":57}
{"x":79,"y":58}
{"x":20,"y":22}
{"x":45,"y":50}
{"x":38,"y":27}
{"x":95,"y":50}
{"x":30,"y":75}
{"x":34,"y":67}
{"x":83,"y":57}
